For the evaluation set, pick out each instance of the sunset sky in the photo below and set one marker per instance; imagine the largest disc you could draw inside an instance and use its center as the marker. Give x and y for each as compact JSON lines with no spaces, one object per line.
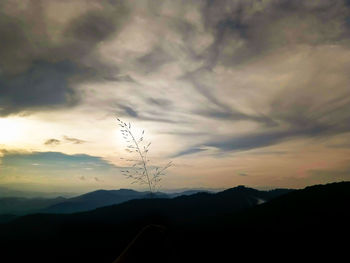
{"x":235,"y":92}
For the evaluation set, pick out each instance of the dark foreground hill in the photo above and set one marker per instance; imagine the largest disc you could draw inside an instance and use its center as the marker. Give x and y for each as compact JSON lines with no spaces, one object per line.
{"x":309,"y":223}
{"x":7,"y":218}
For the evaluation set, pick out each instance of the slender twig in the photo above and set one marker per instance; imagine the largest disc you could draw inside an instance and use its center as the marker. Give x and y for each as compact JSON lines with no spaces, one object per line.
{"x":141,"y":164}
{"x":142,"y":158}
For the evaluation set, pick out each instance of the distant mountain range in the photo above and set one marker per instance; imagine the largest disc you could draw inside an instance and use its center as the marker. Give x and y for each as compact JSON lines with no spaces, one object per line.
{"x":240,"y":223}
{"x":85,"y":202}
{"x":99,"y":198}
{"x":8,"y":192}
{"x":22,"y":206}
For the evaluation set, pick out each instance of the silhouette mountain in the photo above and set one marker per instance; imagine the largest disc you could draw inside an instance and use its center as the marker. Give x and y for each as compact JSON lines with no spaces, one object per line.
{"x":85,"y":202}
{"x":94,"y":200}
{"x":95,"y":228}
{"x":8,"y":192}
{"x":22,"y":206}
{"x":310,"y":223}
{"x":186,"y":192}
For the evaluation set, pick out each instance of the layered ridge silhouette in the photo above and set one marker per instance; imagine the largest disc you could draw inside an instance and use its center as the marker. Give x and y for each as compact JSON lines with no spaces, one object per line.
{"x":233,"y":223}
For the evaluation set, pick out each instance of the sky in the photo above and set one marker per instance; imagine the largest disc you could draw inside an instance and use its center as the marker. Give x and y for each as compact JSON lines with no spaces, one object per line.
{"x":233,"y":92}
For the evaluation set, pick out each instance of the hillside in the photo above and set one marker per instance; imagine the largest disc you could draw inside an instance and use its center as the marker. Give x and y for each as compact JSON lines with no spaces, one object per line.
{"x":227,"y":224}
{"x":85,"y":202}
{"x":112,"y":227}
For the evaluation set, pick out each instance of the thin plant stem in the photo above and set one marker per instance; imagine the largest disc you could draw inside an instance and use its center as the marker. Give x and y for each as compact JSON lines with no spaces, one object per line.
{"x":142,"y":158}
{"x":151,"y":179}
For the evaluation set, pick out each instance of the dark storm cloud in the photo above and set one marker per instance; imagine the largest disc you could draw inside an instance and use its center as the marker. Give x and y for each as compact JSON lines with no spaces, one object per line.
{"x":263,"y":26}
{"x":260,"y":25}
{"x":91,"y":28}
{"x":246,"y":31}
{"x":39,"y":69}
{"x":129,"y":111}
{"x":253,"y":141}
{"x":295,"y":122}
{"x":155,"y":59}
{"x":28,"y":38}
{"x":37,"y":65}
{"x":240,"y":143}
{"x":295,"y":126}
{"x":42,"y":85}
{"x":86,"y":31}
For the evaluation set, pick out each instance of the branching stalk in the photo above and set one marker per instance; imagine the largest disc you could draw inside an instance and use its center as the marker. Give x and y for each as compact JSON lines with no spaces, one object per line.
{"x":141,"y":164}
{"x":142,"y":158}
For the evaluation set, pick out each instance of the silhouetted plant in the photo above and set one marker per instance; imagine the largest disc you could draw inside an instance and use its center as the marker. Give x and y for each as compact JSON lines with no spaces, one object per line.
{"x":140,"y":171}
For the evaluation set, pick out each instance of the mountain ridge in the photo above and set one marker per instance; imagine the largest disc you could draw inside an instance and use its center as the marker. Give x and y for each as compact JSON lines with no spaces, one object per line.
{"x":88,"y":201}
{"x":199,"y":226}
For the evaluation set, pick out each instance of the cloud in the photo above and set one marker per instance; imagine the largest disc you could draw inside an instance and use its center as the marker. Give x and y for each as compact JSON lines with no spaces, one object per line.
{"x":160,"y":102}
{"x":53,"y":161}
{"x":129,"y":111}
{"x":52,"y":142}
{"x":298,"y":121}
{"x":73,"y":140}
{"x":189,"y":151}
{"x":249,"y":29}
{"x":156,"y":58}
{"x":98,"y":179}
{"x":44,"y":56}
{"x":66,"y":139}
{"x":277,"y":66}
{"x":270,"y":137}
{"x":42,"y":85}
{"x":47,"y":44}
{"x":91,"y":27}
{"x":207,"y":78}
